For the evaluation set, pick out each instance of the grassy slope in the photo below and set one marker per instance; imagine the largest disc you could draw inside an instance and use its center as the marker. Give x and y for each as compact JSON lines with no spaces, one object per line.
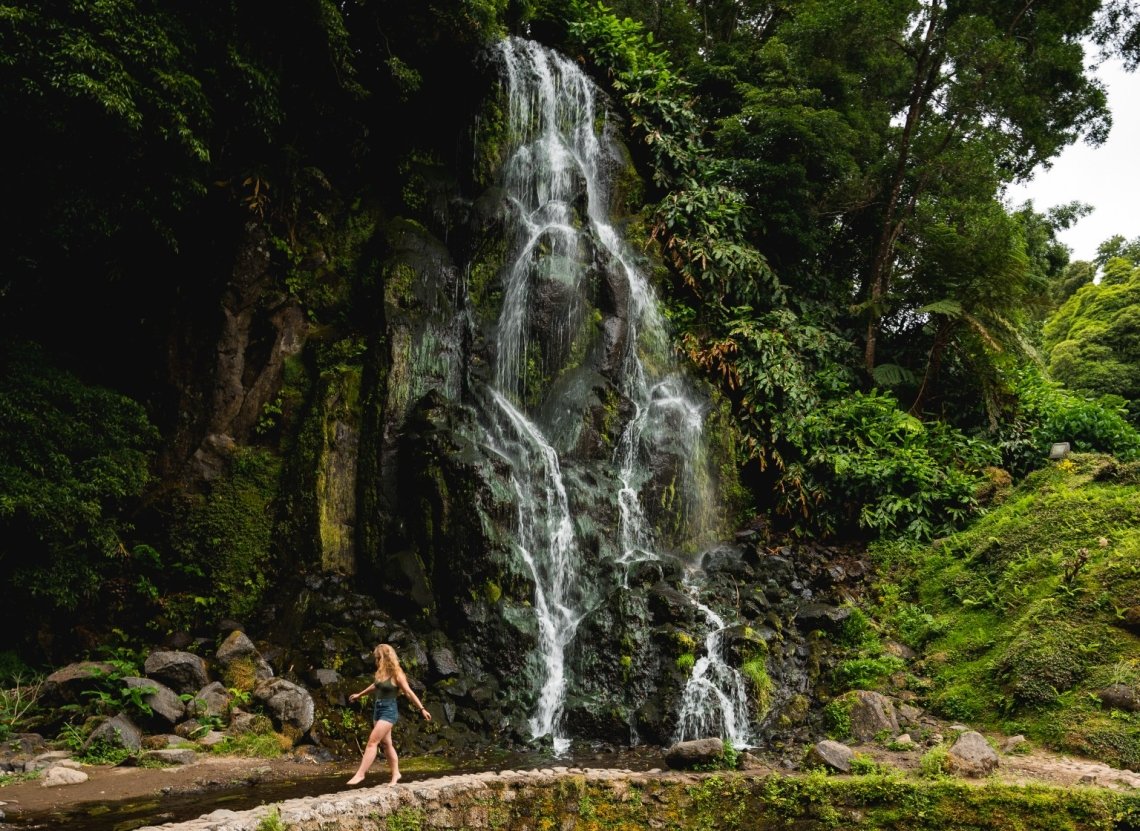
{"x":1020,"y":619}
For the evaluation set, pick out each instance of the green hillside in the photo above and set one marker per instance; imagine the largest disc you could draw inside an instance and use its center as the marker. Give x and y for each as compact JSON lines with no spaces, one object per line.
{"x":1029,"y":621}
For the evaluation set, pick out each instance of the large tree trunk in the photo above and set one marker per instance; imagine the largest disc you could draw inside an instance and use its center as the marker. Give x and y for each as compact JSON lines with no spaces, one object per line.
{"x":926,"y":72}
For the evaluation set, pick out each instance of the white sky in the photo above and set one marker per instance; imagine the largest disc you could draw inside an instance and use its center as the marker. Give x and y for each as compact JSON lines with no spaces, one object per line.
{"x":1106,"y":177}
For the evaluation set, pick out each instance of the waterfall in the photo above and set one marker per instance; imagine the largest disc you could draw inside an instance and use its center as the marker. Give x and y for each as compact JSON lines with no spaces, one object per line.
{"x":551,"y":119}
{"x":545,"y":541}
{"x":715,"y":701}
{"x":558,"y":201}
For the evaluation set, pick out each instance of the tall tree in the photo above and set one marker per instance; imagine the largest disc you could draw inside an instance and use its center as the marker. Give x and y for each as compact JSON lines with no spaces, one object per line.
{"x":1002,"y":81}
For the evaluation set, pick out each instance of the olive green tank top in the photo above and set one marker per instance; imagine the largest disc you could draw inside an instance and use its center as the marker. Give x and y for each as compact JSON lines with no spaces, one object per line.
{"x":387,"y":689}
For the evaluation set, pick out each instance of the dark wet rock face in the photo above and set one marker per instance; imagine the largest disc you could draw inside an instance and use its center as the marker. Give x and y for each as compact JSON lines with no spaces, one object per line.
{"x":405,"y":527}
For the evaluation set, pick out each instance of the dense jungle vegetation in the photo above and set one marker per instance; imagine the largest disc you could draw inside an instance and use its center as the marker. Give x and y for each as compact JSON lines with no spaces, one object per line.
{"x":823,"y":198}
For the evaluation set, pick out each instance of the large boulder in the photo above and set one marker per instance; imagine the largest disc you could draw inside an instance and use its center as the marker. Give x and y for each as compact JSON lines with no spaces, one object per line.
{"x":1120,"y":697}
{"x":238,"y":656}
{"x":972,"y":755}
{"x":43,"y":761}
{"x":68,"y":683}
{"x":872,"y":714}
{"x":164,"y":703}
{"x":118,"y":731}
{"x":18,"y":749}
{"x":54,"y":777}
{"x":288,"y":703}
{"x":695,"y":753}
{"x":171,"y":756}
{"x":183,"y":672}
{"x":242,"y":723}
{"x":325,"y":677}
{"x":667,"y":605}
{"x":833,"y":755}
{"x":821,"y":616}
{"x":212,"y":701}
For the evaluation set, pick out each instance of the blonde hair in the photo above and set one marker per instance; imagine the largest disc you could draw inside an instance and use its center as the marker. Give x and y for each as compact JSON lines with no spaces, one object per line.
{"x":387,"y":664}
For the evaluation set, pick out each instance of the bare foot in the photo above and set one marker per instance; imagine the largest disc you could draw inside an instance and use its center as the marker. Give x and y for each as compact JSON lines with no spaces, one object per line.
{"x":395,"y":778}
{"x":356,"y":780}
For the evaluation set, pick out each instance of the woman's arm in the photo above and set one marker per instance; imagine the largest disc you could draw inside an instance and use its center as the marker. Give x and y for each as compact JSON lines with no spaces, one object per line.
{"x":363,"y":692}
{"x":402,"y":682}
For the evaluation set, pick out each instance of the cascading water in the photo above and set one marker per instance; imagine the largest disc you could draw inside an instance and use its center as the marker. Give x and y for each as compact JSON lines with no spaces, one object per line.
{"x":715,"y":701}
{"x":551,"y":118}
{"x":551,"y":114}
{"x":558,"y":201}
{"x":546,"y":544}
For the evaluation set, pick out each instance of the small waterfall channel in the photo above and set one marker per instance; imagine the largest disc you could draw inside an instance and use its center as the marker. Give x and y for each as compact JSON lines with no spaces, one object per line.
{"x":558,"y":200}
{"x":715,"y":701}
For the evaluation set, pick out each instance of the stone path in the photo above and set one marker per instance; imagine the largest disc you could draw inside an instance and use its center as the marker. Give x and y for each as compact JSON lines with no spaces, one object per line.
{"x":464,"y":801}
{"x":1063,"y":770}
{"x":476,"y":801}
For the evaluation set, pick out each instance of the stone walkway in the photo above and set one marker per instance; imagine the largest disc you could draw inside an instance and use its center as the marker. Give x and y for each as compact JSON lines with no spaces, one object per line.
{"x":464,"y":801}
{"x":476,"y":801}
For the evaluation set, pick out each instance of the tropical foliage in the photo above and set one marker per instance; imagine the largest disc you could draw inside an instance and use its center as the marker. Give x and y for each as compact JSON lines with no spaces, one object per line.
{"x":823,"y":207}
{"x":72,"y":466}
{"x":1093,"y":340}
{"x":1024,"y":619}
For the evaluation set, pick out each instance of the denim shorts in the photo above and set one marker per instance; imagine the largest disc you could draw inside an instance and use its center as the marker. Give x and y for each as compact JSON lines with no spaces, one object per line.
{"x":384,"y":709}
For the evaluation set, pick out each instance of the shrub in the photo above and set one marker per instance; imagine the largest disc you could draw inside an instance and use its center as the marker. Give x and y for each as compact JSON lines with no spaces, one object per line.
{"x":222,"y":540}
{"x":916,"y":626}
{"x":864,"y":765}
{"x":934,"y":762}
{"x":866,"y":673}
{"x":857,"y":631}
{"x":272,"y":821}
{"x":755,"y":670}
{"x":1045,"y":412}
{"x":1038,"y":666}
{"x":871,"y":467}
{"x":837,"y":719}
{"x":73,"y":458}
{"x":258,"y":745}
{"x":17,"y":703}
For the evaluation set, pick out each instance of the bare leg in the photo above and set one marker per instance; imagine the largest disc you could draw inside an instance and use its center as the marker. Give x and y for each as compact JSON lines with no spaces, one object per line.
{"x":381,"y":731}
{"x":393,"y":759}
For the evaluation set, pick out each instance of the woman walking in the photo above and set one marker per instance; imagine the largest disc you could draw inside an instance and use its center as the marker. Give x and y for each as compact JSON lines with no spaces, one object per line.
{"x":389,"y":682}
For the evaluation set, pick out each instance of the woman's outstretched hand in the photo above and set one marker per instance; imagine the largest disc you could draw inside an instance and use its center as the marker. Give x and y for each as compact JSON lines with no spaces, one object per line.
{"x":354,"y":696}
{"x":424,"y":712}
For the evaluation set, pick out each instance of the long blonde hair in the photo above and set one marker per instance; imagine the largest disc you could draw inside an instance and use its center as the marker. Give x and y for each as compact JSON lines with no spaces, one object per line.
{"x":387,"y":664}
